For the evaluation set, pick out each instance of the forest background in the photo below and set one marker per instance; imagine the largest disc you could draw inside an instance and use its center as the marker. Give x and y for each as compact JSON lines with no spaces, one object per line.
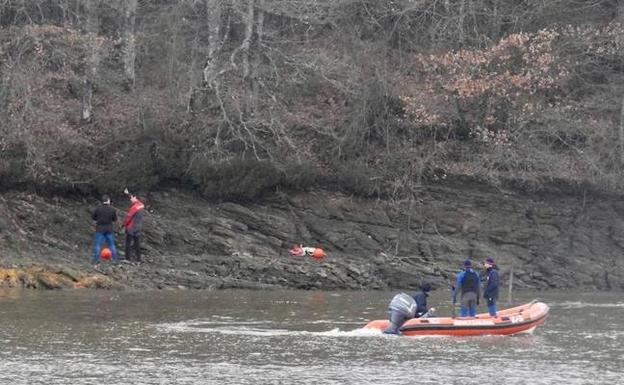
{"x":240,"y":98}
{"x":402,"y":135}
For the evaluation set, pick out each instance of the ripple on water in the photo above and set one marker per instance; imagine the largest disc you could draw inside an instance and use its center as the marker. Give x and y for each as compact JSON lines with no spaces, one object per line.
{"x":179,"y":342}
{"x":582,"y":305}
{"x":247,"y":328}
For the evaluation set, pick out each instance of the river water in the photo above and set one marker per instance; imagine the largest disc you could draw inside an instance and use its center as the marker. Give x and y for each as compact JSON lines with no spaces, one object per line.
{"x":290,"y":337}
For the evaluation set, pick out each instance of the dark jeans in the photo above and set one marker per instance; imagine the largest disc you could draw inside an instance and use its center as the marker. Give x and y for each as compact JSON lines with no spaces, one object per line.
{"x":491,"y":305}
{"x":133,"y":246}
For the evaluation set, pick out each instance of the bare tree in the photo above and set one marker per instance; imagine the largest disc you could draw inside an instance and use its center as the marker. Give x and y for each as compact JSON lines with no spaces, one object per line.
{"x":256,"y":76}
{"x":214,"y":11}
{"x":461,"y":22}
{"x":92,"y":61}
{"x":247,"y":58}
{"x":129,"y":43}
{"x":619,"y":19}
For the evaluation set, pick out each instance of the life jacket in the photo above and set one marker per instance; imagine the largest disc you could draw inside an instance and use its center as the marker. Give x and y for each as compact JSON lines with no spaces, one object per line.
{"x":297,"y":251}
{"x":470,"y":283}
{"x":130,"y":220}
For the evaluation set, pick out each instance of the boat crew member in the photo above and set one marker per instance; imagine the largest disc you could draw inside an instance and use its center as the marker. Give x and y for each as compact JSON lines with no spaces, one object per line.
{"x":468,"y":284}
{"x":490,"y":294}
{"x":421,"y":302}
{"x":401,"y":308}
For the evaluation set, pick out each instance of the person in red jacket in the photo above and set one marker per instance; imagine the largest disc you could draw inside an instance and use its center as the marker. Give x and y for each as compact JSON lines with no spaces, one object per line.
{"x":133,"y":224}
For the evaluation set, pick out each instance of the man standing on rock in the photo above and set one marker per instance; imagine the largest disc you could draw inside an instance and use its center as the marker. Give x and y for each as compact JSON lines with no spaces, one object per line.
{"x":104,"y":216}
{"x":134,"y":224}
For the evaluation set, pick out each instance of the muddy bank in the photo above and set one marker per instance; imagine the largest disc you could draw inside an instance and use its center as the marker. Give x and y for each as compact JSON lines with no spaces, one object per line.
{"x":551,"y":240}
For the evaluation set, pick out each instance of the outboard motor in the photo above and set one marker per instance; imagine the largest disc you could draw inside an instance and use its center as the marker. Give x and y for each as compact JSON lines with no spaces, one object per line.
{"x":402,"y":307}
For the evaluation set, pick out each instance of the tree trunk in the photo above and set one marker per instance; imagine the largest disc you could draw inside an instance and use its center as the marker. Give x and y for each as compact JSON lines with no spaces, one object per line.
{"x":214,"y":11}
{"x":129,"y":44}
{"x":91,"y":64}
{"x":255,"y":75}
{"x":247,"y":57}
{"x":497,"y":22}
{"x":621,"y":133}
{"x":619,"y":18}
{"x":460,"y":22}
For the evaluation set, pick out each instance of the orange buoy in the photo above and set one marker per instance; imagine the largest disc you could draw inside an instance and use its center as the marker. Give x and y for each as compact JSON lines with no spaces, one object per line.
{"x":106,"y":253}
{"x":318,"y":253}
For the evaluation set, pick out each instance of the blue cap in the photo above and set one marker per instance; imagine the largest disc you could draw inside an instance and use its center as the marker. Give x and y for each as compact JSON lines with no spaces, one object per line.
{"x":467,"y":263}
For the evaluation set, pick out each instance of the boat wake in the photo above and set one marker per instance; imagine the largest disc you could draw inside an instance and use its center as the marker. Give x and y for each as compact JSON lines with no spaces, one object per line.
{"x":582,"y":305}
{"x":258,"y":328}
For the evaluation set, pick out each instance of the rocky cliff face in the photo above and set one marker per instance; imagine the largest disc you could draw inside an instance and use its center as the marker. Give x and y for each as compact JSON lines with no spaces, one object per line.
{"x":552,"y":240}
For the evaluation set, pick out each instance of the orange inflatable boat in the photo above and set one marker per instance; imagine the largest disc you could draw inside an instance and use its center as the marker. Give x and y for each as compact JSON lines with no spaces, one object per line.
{"x":520,"y":319}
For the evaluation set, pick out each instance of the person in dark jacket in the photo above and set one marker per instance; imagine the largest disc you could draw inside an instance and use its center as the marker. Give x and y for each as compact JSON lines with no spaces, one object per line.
{"x":133,"y":224}
{"x":421,"y":302}
{"x":104,"y":216}
{"x":468,"y":283}
{"x":490,"y":294}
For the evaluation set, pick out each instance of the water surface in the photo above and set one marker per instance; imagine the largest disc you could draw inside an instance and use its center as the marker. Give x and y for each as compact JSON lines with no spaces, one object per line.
{"x":290,"y":337}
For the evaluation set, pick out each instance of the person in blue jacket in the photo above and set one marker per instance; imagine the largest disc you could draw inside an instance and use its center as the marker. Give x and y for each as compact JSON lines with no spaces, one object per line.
{"x":468,"y":283}
{"x":421,"y":302}
{"x":490,"y":294}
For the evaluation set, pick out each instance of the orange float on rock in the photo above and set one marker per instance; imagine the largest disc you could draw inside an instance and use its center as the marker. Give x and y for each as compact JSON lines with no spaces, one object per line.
{"x":318,"y":253}
{"x":301,"y":251}
{"x":106,"y":254}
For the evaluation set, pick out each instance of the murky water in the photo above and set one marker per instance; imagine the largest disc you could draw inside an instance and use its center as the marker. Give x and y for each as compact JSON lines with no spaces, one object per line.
{"x":290,"y":337}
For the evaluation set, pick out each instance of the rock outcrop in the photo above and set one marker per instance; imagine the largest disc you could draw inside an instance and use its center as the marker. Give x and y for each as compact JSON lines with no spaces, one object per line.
{"x":552,"y":240}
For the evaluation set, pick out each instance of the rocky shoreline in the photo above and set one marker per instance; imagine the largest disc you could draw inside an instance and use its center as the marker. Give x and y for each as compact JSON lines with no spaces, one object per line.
{"x":45,"y":277}
{"x":552,"y":240}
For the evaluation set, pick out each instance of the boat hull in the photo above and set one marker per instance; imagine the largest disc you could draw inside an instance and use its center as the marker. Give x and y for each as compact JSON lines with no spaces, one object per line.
{"x":520,"y":319}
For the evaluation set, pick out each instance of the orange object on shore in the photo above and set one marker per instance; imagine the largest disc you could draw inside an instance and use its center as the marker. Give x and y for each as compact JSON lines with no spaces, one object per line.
{"x":318,"y":253}
{"x":520,"y":319}
{"x":314,"y":252}
{"x":296,"y":251}
{"x":106,"y":254}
